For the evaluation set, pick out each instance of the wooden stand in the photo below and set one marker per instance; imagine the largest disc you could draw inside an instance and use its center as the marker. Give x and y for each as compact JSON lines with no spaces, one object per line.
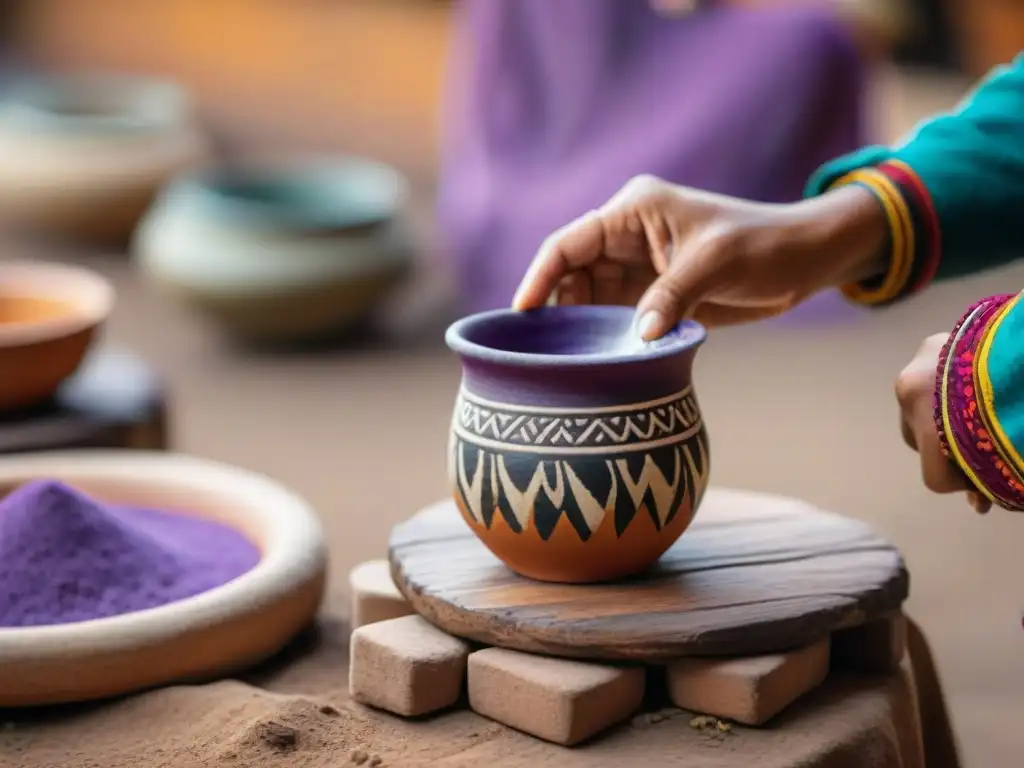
{"x":742,"y":619}
{"x":754,"y":574}
{"x":115,"y":400}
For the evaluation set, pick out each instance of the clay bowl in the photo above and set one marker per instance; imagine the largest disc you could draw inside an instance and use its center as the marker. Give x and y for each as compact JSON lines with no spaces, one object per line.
{"x":293,"y":254}
{"x":215,"y":633}
{"x":84,"y":155}
{"x":574,"y":455}
{"x":49,"y":316}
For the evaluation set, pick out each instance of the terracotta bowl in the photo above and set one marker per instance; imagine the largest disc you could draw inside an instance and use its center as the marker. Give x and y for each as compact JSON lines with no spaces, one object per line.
{"x":84,"y":155}
{"x":289,"y":254}
{"x":211,"y":634}
{"x":575,"y":455}
{"x":49,"y":316}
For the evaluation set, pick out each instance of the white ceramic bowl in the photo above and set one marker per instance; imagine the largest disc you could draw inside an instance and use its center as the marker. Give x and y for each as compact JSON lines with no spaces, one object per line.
{"x":201,"y":637}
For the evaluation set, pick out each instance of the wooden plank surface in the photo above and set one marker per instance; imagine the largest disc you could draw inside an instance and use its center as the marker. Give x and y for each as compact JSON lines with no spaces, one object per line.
{"x":753,"y":574}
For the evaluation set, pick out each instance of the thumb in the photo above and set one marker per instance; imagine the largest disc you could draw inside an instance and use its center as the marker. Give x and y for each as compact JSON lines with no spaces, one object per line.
{"x":694,"y":271}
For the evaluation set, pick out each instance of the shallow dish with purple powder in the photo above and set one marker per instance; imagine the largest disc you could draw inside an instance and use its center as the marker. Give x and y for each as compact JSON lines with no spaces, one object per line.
{"x":120,"y":571}
{"x":67,"y":557}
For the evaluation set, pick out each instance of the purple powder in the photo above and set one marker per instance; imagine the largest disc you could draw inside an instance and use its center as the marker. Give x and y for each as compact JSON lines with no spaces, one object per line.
{"x":65,"y":557}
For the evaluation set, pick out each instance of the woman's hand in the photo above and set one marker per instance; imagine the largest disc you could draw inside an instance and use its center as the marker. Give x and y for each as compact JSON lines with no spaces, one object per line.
{"x":915,"y":392}
{"x":676,"y":252}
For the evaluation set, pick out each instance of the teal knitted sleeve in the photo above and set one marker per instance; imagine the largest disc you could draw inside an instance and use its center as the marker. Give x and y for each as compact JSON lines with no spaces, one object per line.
{"x":971,"y":162}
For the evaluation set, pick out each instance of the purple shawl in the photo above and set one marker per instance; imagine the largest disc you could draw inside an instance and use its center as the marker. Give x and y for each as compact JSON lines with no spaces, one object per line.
{"x":554,"y":104}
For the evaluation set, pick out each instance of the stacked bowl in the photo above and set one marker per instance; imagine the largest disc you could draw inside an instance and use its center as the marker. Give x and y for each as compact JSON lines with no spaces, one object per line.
{"x":84,"y":156}
{"x":290,"y":254}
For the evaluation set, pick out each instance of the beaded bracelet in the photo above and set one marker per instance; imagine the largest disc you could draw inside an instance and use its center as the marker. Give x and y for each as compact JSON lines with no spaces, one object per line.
{"x":963,"y":423}
{"x":1005,"y":459}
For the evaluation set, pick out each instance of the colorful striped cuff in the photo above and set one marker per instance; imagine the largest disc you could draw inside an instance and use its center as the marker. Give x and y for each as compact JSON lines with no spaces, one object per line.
{"x":965,"y":417}
{"x":915,"y":243}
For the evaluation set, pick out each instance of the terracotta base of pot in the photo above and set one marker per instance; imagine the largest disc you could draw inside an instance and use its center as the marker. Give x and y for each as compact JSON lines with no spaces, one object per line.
{"x":605,"y":556}
{"x":202,"y":637}
{"x":305,"y":315}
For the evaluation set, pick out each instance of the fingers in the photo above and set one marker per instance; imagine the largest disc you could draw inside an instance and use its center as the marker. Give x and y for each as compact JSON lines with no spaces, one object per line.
{"x":575,"y":289}
{"x":908,"y":434}
{"x":980,"y":504}
{"x":941,"y":478}
{"x":605,"y":283}
{"x":608,"y":281}
{"x":694,"y":271}
{"x":940,"y":475}
{"x":570,"y":248}
{"x":914,"y":392}
{"x":713,"y":315}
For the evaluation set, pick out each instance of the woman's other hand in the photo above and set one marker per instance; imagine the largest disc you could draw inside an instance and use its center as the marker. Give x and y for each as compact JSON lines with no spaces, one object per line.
{"x":677,"y":252}
{"x":915,"y":392}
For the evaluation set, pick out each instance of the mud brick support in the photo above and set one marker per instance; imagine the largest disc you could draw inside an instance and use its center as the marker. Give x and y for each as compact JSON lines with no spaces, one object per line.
{"x":406,"y":666}
{"x":748,"y":690}
{"x":562,"y":701}
{"x":374,"y":594}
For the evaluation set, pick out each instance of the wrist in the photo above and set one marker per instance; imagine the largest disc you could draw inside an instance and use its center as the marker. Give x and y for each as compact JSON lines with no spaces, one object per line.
{"x":849,"y":227}
{"x":858,"y":229}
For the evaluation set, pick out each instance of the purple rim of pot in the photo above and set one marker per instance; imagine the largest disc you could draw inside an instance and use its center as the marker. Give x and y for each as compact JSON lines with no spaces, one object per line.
{"x":685,"y":336}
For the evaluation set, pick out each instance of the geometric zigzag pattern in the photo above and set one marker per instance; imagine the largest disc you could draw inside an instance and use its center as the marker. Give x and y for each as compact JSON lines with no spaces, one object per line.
{"x":630,"y":425}
{"x":532,"y":488}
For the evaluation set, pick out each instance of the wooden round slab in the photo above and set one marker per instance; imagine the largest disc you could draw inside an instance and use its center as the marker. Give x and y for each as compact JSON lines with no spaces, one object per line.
{"x":115,"y":400}
{"x":753,"y":574}
{"x":214,"y":633}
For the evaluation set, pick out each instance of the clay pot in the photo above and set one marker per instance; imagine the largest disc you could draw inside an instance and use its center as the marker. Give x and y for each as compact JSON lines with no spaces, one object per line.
{"x":213,"y":633}
{"x":49,"y":316}
{"x":575,"y":454}
{"x":84,"y":156}
{"x":284,"y":255}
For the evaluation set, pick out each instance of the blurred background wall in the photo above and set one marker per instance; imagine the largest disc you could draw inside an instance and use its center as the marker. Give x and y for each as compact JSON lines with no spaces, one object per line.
{"x":243,"y":58}
{"x":317,"y":53}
